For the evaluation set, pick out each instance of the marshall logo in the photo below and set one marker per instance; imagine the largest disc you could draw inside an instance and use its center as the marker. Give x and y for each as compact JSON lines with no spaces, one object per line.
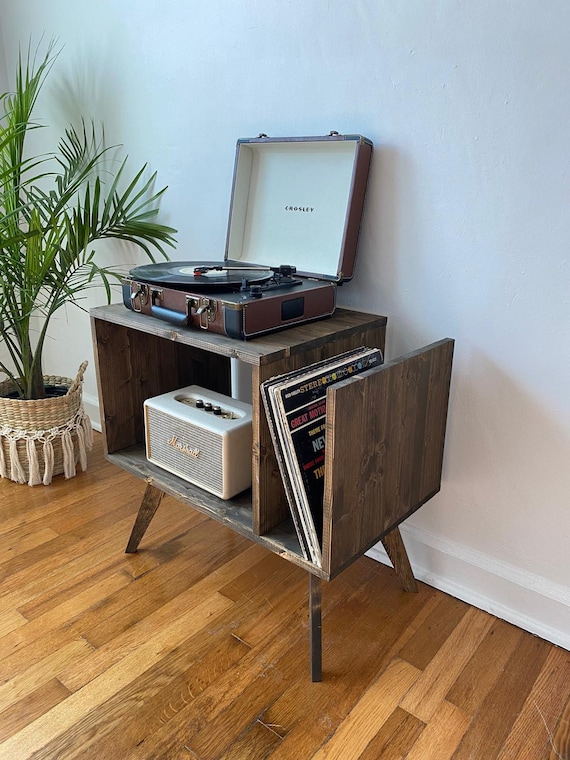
{"x":183,"y":448}
{"x":306,"y":209}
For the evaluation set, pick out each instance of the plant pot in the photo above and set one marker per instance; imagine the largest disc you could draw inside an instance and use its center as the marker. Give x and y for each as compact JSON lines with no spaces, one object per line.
{"x":44,"y":437}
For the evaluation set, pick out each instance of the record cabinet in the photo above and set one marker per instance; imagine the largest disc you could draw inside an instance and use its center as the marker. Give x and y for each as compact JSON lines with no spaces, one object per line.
{"x":386,"y":426}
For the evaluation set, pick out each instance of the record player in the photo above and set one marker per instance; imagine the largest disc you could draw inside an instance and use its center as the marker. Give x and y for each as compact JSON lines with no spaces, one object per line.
{"x":295,"y":212}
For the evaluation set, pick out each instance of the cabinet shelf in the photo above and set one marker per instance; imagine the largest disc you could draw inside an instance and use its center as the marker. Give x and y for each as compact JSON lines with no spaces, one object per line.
{"x":235,"y":513}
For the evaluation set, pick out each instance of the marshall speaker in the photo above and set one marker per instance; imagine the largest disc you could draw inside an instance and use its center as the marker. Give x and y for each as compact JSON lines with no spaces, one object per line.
{"x":201,"y":436}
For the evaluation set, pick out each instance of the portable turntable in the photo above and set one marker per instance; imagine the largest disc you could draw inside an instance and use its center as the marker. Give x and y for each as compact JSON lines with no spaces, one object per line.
{"x":295,"y":212}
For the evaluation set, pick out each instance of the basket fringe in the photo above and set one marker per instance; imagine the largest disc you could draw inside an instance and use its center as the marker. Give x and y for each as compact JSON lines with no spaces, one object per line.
{"x":16,"y":470}
{"x":34,"y":478}
{"x":88,"y":428}
{"x":68,"y":454}
{"x":74,"y":439}
{"x":48,"y":462}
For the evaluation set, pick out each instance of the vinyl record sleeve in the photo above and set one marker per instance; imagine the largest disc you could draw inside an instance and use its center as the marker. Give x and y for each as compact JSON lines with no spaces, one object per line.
{"x":296,"y":406}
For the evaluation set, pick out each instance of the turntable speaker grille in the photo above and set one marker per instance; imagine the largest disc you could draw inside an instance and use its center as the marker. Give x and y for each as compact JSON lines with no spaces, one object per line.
{"x":212,"y":451}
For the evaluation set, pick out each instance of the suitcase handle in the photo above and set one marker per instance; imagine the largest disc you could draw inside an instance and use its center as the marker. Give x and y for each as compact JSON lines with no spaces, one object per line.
{"x":180,"y":320}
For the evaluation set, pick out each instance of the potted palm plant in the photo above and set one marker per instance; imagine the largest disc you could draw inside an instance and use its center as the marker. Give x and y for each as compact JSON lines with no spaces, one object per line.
{"x":53,"y":207}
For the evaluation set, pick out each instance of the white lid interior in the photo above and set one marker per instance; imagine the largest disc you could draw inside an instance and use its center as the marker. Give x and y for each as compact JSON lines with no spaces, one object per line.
{"x":290,"y":204}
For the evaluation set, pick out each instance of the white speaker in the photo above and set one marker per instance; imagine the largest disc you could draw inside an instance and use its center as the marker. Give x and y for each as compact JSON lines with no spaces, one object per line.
{"x":201,"y":436}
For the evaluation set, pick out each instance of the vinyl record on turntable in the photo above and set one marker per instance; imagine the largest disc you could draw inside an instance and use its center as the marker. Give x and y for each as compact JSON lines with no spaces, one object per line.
{"x":198,"y":274}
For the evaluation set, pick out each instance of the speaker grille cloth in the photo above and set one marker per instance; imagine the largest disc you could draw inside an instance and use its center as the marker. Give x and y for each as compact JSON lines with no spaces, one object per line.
{"x":206,"y":469}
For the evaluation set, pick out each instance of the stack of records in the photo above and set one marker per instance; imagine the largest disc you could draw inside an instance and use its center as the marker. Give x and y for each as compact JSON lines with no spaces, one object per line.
{"x":296,"y":413}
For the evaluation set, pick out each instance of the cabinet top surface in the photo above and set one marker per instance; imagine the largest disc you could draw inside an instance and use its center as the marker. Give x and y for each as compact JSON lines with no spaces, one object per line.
{"x":258,"y":350}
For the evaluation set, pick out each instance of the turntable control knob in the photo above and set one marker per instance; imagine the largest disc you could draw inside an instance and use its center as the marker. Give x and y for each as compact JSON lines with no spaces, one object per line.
{"x":217,"y":410}
{"x":208,"y":406}
{"x":255,"y":291}
{"x":199,"y":403}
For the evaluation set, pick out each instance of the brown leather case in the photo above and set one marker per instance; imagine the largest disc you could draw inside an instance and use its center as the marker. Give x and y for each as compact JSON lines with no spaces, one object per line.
{"x":232,"y":314}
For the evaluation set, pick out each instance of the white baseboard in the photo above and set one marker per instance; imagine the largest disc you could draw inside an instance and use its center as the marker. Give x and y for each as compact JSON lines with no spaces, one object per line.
{"x":91,"y":406}
{"x":522,"y":598}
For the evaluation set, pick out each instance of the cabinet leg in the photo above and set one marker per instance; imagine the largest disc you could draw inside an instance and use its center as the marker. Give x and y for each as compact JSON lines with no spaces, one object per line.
{"x":398,"y":555}
{"x":149,"y":504}
{"x":315,"y":628}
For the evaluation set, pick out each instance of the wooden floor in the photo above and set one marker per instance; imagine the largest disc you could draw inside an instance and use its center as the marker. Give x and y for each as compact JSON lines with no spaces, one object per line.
{"x":197,"y":647}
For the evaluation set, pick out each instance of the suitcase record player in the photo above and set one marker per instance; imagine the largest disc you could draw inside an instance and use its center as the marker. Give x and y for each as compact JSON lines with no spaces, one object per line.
{"x":295,"y":212}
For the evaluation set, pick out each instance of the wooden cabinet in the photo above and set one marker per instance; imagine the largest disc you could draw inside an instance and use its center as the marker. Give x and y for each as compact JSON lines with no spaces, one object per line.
{"x":386,"y":427}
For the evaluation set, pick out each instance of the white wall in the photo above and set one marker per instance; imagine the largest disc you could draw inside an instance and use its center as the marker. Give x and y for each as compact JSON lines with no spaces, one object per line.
{"x":466,"y":229}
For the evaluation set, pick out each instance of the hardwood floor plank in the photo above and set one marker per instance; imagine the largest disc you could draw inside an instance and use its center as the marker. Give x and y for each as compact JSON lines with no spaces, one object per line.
{"x":65,"y":614}
{"x":485,"y":668}
{"x":27,"y":681}
{"x":238,"y":697}
{"x":254,"y":744}
{"x":59,"y":558}
{"x":370,"y":713}
{"x":111,"y":653}
{"x":10,"y":621}
{"x":31,"y":707}
{"x":250,"y":581}
{"x":99,"y":562}
{"x":154,"y":590}
{"x":171,"y":686}
{"x":61,"y":719}
{"x":424,"y":699}
{"x":533,"y":733}
{"x":561,"y":737}
{"x":432,"y":634}
{"x":439,"y":739}
{"x":395,"y":738}
{"x":498,"y":712}
{"x":23,"y":540}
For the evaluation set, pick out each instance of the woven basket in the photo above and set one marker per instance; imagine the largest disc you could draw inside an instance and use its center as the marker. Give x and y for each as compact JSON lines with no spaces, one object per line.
{"x":44,"y":437}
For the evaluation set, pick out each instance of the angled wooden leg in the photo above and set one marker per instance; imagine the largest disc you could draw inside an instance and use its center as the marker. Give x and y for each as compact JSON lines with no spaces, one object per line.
{"x":398,"y":555}
{"x":149,"y":504}
{"x":315,"y":628}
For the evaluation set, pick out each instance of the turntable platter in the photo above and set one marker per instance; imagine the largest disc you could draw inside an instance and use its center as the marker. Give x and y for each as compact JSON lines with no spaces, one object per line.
{"x":198,"y":274}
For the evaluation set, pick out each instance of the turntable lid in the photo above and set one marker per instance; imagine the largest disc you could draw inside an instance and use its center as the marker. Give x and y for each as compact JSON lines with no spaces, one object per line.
{"x":299,"y":201}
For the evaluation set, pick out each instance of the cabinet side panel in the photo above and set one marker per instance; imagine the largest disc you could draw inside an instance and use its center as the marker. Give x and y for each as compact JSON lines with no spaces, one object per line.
{"x":270,"y":505}
{"x":133,"y":365}
{"x":111,"y":345}
{"x":384,"y":449}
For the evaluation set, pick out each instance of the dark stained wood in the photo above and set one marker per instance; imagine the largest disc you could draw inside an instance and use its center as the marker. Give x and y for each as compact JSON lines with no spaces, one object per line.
{"x":396,"y":551}
{"x":197,"y":646}
{"x":139,"y":357}
{"x":388,"y":432}
{"x":133,"y":365}
{"x":385,"y":436}
{"x":149,"y":504}
{"x":149,"y":357}
{"x":315,"y":628}
{"x":261,"y":350}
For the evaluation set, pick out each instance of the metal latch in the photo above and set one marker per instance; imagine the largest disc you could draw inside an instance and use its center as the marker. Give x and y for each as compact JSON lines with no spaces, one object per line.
{"x":138,"y":296}
{"x":204,"y":309}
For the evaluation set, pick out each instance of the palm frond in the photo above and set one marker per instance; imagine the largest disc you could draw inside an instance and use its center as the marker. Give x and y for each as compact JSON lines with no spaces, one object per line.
{"x":53,"y":208}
